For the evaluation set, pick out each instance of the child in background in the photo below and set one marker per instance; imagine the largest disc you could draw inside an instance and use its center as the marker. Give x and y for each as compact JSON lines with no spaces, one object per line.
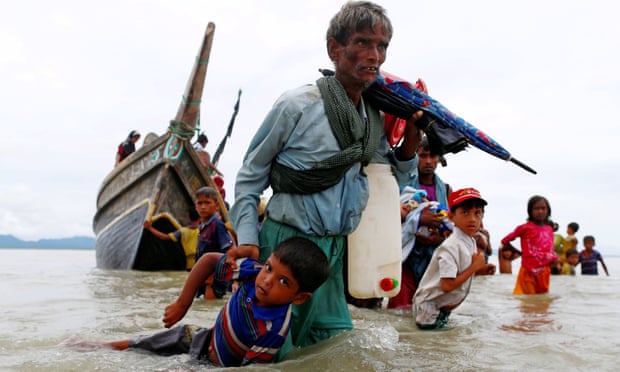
{"x":188,"y":236}
{"x":507,"y":253}
{"x":589,"y":256}
{"x":572,"y":259}
{"x":254,"y":323}
{"x":570,"y":241}
{"x":537,"y":253}
{"x":448,"y":277}
{"x":558,"y":240}
{"x":212,"y":237}
{"x":483,"y":242}
{"x":483,"y":245}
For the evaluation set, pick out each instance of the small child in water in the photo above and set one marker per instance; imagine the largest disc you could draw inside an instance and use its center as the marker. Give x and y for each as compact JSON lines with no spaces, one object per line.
{"x":507,"y":254}
{"x":255,"y":321}
{"x":589,"y":257}
{"x":572,"y":259}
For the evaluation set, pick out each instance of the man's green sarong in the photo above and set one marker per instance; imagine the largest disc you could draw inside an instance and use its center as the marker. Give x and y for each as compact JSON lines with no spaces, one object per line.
{"x":326,"y":313}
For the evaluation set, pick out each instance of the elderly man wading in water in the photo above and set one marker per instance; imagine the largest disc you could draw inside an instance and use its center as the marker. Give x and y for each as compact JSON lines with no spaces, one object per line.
{"x":311,"y":149}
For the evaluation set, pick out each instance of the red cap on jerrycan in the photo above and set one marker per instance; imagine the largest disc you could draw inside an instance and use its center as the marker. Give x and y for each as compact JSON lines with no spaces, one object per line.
{"x":387,"y":284}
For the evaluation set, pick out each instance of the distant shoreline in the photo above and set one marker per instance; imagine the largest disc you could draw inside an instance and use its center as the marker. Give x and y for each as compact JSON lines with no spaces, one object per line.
{"x":76,"y":242}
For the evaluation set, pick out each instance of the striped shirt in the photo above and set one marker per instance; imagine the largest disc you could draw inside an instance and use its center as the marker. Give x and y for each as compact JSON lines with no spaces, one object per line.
{"x":589,"y":262}
{"x":244,"y":332}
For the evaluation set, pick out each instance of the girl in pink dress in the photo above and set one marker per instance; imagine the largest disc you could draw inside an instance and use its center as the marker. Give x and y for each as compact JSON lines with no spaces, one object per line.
{"x":537,"y":252}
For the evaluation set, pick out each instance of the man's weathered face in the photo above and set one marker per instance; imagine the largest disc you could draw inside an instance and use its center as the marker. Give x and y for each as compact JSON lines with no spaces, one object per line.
{"x":357,"y":63}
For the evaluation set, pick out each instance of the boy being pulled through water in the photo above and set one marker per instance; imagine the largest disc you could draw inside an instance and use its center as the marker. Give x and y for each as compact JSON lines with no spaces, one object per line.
{"x":255,"y":321}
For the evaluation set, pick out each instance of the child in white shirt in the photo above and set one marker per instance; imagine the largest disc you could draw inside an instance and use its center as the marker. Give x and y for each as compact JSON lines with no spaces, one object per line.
{"x":447,"y":279}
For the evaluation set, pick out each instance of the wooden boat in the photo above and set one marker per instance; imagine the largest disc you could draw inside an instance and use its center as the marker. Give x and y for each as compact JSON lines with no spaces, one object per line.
{"x":156,"y":182}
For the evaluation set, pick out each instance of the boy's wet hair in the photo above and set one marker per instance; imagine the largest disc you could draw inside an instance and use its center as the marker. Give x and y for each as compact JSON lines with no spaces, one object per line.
{"x":207,"y":191}
{"x":589,"y":237}
{"x":574,"y":226}
{"x":193,"y":214}
{"x":424,"y":145}
{"x":571,"y":252}
{"x":306,"y":260}
{"x":356,"y":16}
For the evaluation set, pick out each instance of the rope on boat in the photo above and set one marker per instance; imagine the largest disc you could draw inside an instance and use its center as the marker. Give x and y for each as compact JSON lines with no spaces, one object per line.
{"x":181,"y":129}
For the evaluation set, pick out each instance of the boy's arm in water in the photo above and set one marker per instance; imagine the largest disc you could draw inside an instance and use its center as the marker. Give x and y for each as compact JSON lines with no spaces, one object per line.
{"x":197,"y":277}
{"x":604,"y":266}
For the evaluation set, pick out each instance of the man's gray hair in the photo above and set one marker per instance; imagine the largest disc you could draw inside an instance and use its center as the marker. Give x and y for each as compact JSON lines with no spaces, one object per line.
{"x":356,"y":16}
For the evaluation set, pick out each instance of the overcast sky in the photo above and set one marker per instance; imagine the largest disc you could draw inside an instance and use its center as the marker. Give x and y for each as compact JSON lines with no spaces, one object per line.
{"x":540,"y":77}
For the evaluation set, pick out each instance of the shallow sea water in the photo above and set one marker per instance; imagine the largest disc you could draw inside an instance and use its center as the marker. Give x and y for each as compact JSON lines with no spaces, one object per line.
{"x":51,"y":296}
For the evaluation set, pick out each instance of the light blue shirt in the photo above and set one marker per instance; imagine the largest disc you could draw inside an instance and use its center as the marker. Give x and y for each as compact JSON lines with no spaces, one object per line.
{"x":296,"y":133}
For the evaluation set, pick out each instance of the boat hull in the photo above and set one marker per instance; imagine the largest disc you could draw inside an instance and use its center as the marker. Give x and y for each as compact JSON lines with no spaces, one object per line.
{"x":160,"y":179}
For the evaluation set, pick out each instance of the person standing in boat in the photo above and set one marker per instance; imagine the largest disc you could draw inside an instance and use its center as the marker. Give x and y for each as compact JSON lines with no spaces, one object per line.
{"x":311,"y":149}
{"x":127,"y":147}
{"x":201,"y":148}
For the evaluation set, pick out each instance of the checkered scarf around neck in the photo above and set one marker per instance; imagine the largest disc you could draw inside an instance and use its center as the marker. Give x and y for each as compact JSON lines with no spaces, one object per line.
{"x":357,"y":141}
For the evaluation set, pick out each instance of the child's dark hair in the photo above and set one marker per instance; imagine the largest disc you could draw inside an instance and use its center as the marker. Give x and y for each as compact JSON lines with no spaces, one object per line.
{"x":588,"y":237}
{"x":306,"y":260}
{"x":530,"y":208}
{"x":571,"y":252}
{"x":207,"y":191}
{"x":469,"y":204}
{"x":433,"y":148}
{"x":193,"y":214}
{"x":423,"y":145}
{"x":574,"y":226}
{"x":202,"y":138}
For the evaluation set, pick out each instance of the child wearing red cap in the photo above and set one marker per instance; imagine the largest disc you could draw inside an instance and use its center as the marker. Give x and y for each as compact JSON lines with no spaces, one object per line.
{"x":447,"y":279}
{"x":537,"y":251}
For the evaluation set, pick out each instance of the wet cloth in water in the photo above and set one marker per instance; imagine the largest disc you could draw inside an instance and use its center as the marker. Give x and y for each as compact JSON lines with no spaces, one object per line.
{"x":440,"y":322}
{"x":178,"y":340}
{"x":532,"y":282}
